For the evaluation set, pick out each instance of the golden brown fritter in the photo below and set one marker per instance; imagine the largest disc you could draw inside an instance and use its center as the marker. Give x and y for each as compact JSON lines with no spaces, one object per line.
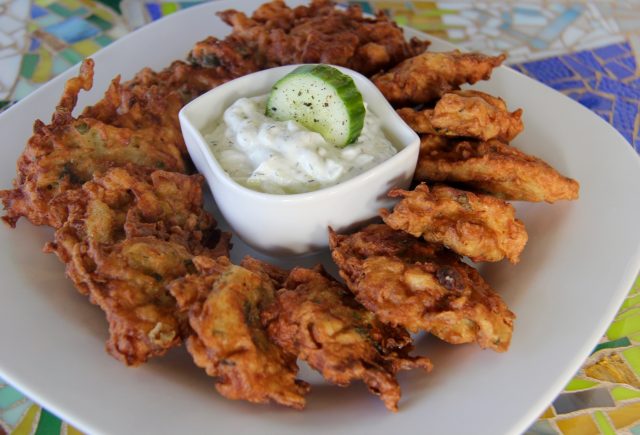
{"x":430,"y":75}
{"x":69,"y":151}
{"x":317,"y":319}
{"x":492,"y":167}
{"x":224,"y":304}
{"x":150,"y":102}
{"x":466,"y":113}
{"x":421,"y":286}
{"x":478,"y":226}
{"x":123,"y":237}
{"x":318,"y":33}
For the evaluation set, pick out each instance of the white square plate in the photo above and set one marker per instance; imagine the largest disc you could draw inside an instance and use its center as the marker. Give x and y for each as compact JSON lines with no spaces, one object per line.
{"x":575,"y":271}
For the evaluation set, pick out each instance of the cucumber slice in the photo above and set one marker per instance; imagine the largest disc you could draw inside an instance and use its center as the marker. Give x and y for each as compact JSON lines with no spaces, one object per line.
{"x":322,"y":99}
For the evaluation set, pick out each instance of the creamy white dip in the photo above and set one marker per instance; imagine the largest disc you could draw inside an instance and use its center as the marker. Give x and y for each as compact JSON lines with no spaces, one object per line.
{"x":284,"y":157}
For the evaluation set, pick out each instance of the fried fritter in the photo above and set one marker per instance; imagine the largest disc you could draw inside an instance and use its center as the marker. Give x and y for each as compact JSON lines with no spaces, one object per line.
{"x":466,"y":113}
{"x":421,"y":286}
{"x":123,"y":237}
{"x":430,"y":75}
{"x":224,"y":303}
{"x":318,"y":33}
{"x":478,"y":226}
{"x":317,"y":319}
{"x":492,"y":167}
{"x":69,"y":151}
{"x":150,"y":102}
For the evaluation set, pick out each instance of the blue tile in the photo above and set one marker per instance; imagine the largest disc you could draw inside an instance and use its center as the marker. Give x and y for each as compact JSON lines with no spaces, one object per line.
{"x":557,"y":26}
{"x":610,"y":51}
{"x":565,"y":85}
{"x":34,"y":44}
{"x":366,"y":7}
{"x":604,"y":115}
{"x":154,"y":11}
{"x":579,"y":68}
{"x":73,"y":29}
{"x":629,"y":62}
{"x":618,"y":70}
{"x":624,"y":115}
{"x":37,"y":11}
{"x":595,"y":102}
{"x":618,"y":88}
{"x":588,"y":59}
{"x":527,"y":11}
{"x":548,"y":70}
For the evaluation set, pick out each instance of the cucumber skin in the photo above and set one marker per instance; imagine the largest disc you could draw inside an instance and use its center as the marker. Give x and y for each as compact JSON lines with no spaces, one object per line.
{"x":345,"y":88}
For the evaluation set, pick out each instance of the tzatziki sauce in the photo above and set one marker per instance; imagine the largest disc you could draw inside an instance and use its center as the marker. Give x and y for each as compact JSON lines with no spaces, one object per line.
{"x":283,"y":157}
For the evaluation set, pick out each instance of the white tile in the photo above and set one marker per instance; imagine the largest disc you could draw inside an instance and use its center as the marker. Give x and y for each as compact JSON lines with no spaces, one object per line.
{"x":571,"y":36}
{"x":470,"y":14}
{"x":599,"y":41}
{"x":456,"y":34}
{"x":529,"y":20}
{"x":19,"y":9}
{"x":9,"y":24}
{"x":20,"y":39}
{"x":9,"y":51}
{"x":5,"y":40}
{"x":491,"y":31}
{"x":9,"y":70}
{"x":503,"y":45}
{"x":455,"y":20}
{"x":493,"y":22}
{"x":454,"y":5}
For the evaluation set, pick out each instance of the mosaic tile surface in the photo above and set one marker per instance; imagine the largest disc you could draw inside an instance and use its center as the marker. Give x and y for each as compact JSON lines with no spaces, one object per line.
{"x":39,"y":39}
{"x":586,"y":50}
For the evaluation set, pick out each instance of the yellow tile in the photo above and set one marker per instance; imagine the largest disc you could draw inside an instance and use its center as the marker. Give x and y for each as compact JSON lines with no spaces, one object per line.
{"x":70,"y":430}
{"x":71,"y":4}
{"x":549,"y":413}
{"x":28,"y":423}
{"x":86,"y":47}
{"x":42,"y":73}
{"x":580,"y":425}
{"x":104,"y":14}
{"x":625,"y":415}
{"x":613,"y":369}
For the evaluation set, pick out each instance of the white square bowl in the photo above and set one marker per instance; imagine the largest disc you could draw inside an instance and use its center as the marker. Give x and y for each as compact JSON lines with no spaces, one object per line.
{"x":297,"y":223}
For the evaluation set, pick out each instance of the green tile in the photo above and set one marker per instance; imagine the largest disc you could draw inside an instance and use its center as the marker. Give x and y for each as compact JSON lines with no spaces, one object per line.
{"x":4,"y":104}
{"x":579,"y":384}
{"x":102,"y":23}
{"x":80,"y":12}
{"x":168,"y":8}
{"x":71,"y":56}
{"x":603,"y":424}
{"x":622,"y":393}
{"x":629,"y":324}
{"x":60,"y":10}
{"x":29,"y":63}
{"x":633,"y":358}
{"x":635,"y":288}
{"x":113,"y":4}
{"x":631,"y":301}
{"x":631,"y":312}
{"x":8,"y":394}
{"x":103,"y":40}
{"x":48,"y":424}
{"x":621,"y":342}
